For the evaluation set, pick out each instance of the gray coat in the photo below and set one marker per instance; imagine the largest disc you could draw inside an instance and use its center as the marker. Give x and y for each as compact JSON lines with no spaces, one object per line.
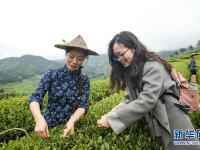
{"x":136,"y":105}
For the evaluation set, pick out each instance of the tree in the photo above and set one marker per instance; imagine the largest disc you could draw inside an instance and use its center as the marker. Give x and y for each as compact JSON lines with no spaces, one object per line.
{"x":198,"y":44}
{"x":191,"y":47}
{"x":182,"y":50}
{"x":176,"y":53}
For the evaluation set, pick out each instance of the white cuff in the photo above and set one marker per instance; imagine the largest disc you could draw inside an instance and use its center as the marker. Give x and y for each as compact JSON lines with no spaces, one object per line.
{"x":115,"y":122}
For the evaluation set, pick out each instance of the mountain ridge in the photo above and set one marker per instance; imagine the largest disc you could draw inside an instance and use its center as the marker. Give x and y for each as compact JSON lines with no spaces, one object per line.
{"x":14,"y":69}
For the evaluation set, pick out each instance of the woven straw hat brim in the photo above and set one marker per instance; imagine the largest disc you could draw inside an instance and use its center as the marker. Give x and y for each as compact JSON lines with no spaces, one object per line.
{"x":67,"y":47}
{"x":193,"y":54}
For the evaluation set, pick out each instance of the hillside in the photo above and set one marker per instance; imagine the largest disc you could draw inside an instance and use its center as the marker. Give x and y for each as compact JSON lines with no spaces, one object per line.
{"x":18,"y":68}
{"x":169,"y":53}
{"x":97,"y":67}
{"x":15,"y":69}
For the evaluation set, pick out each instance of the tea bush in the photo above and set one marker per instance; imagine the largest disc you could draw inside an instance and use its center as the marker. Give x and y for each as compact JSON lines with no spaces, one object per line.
{"x":14,"y":112}
{"x":89,"y":136}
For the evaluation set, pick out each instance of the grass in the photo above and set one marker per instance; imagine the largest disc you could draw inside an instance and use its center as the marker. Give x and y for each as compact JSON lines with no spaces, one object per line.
{"x":27,"y":86}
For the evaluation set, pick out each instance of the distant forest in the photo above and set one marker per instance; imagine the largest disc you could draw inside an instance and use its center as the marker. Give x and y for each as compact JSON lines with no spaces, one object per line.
{"x":15,"y":69}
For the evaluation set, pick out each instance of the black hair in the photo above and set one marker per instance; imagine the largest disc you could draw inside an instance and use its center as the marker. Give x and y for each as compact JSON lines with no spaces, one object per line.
{"x":119,"y":74}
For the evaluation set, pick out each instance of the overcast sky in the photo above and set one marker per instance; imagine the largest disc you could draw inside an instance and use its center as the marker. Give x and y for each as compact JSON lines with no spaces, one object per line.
{"x":34,"y":26}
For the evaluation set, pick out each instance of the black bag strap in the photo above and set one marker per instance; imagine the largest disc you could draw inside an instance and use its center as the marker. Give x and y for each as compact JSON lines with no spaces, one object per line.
{"x":172,"y":94}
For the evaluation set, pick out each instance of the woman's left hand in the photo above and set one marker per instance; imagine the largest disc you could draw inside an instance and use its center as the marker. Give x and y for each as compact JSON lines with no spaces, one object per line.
{"x":103,"y":123}
{"x":69,"y":129}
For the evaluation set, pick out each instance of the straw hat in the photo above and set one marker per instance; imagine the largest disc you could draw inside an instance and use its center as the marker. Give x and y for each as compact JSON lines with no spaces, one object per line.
{"x":77,"y":42}
{"x":193,"y":54}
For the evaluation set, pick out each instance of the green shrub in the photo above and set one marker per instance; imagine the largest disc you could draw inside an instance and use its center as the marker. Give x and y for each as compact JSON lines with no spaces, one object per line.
{"x":89,"y":136}
{"x":14,"y":112}
{"x":195,"y":118}
{"x":99,"y":89}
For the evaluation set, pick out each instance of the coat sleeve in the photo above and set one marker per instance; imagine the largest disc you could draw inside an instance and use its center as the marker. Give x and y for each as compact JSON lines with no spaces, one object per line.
{"x":43,"y":87}
{"x":125,"y":101}
{"x":152,"y":88}
{"x":86,"y":93}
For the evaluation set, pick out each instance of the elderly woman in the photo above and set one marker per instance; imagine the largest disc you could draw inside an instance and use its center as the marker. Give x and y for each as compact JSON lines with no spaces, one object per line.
{"x":68,"y":91}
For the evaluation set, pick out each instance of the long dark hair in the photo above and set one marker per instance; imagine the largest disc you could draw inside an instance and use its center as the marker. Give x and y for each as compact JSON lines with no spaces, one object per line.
{"x":79,"y":81}
{"x":119,"y":74}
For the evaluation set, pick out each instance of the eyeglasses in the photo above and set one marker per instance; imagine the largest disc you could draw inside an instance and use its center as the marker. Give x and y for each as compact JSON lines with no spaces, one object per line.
{"x":120,"y":57}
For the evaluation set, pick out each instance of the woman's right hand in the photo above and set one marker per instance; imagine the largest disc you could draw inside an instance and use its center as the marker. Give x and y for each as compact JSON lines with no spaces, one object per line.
{"x":41,"y":128}
{"x":114,"y":109}
{"x":103,"y":122}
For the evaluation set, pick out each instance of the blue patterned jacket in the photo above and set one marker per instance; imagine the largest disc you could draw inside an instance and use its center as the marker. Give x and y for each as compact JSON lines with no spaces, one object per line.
{"x":61,"y":85}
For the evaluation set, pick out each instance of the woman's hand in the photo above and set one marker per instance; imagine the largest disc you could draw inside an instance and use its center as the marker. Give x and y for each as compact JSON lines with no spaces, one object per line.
{"x":69,"y":129}
{"x":41,"y":128}
{"x":103,"y":122}
{"x":114,"y":109}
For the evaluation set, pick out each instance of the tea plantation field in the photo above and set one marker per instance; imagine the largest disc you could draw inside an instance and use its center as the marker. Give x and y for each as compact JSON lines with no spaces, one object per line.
{"x":14,"y":113}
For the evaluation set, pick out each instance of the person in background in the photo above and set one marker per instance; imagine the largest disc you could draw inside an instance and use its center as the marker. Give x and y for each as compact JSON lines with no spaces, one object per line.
{"x":146,"y":76}
{"x":68,"y":91}
{"x":192,"y":65}
{"x":193,"y":68}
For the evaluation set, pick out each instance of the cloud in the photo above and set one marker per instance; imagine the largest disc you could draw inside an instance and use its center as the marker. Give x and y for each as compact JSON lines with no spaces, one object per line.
{"x":35,"y":26}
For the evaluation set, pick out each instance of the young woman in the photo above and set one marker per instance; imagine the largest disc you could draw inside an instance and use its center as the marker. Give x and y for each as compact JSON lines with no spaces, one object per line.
{"x":68,"y":91}
{"x":146,"y":77}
